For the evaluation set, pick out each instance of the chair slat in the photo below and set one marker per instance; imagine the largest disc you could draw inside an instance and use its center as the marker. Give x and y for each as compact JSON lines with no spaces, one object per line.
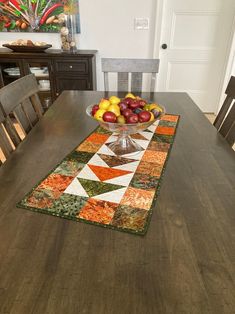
{"x":222,"y":113}
{"x":231,"y":135}
{"x":35,"y":100}
{"x":230,"y":90}
{"x":5,"y":144}
{"x":228,"y":122}
{"x":225,"y":120}
{"x":106,"y":81}
{"x":122,"y":83}
{"x":29,"y":112}
{"x":136,"y":81}
{"x":22,"y":119}
{"x":8,"y":124}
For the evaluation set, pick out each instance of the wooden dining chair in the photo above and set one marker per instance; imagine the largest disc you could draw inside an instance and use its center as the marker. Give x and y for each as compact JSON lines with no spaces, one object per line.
{"x":21,"y":106}
{"x":225,"y":120}
{"x":130,"y":70}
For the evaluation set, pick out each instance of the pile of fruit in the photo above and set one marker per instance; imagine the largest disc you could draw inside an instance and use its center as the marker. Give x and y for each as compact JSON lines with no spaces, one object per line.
{"x":131,"y":109}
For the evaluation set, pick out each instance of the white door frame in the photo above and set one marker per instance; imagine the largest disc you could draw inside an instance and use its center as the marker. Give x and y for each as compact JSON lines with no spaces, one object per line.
{"x":230,"y":51}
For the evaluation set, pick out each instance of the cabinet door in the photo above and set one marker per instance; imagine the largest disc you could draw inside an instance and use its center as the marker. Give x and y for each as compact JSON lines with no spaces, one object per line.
{"x":72,"y":83}
{"x":42,"y":69}
{"x":10,"y":70}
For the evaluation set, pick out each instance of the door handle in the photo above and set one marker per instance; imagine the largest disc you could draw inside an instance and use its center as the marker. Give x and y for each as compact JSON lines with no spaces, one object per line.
{"x":164,"y":46}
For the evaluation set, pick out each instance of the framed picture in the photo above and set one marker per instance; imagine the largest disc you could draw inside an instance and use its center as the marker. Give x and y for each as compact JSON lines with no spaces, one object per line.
{"x":37,"y":15}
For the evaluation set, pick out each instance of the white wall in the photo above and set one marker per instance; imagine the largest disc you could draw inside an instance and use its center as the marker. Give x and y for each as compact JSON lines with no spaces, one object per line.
{"x":107,"y":26}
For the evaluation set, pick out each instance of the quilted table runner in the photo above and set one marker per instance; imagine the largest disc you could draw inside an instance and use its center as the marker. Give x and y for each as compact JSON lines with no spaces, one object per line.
{"x":95,"y":186}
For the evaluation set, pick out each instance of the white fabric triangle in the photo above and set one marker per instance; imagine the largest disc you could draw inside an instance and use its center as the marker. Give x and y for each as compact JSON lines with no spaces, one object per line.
{"x":156,"y":123}
{"x":152,"y":128}
{"x":111,"y":139}
{"x":113,"y":196}
{"x":121,"y":180}
{"x":142,"y":143}
{"x":105,"y":150}
{"x":76,"y":188}
{"x":147,"y":135}
{"x":97,"y":161}
{"x":87,"y":173}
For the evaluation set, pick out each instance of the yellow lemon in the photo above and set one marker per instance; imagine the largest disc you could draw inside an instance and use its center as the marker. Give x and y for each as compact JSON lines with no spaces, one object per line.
{"x":121,"y":119}
{"x":115,"y":109}
{"x":114,"y":100}
{"x":104,"y":103}
{"x":99,"y":114}
{"x":146,"y":107}
{"x":130,"y":95}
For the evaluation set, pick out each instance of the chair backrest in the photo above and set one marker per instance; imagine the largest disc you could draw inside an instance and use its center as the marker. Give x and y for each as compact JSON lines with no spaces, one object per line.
{"x":225,"y":120}
{"x":5,"y":139}
{"x":134,"y":66}
{"x":19,"y":101}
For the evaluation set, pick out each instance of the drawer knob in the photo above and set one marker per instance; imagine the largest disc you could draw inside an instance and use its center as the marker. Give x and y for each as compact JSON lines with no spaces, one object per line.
{"x":71,"y":66}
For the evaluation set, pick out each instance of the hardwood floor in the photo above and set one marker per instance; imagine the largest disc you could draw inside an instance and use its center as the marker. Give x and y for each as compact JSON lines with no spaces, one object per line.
{"x":210,"y":117}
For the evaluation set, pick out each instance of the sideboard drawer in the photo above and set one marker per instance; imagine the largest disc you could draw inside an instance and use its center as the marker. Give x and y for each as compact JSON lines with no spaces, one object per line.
{"x":78,"y":66}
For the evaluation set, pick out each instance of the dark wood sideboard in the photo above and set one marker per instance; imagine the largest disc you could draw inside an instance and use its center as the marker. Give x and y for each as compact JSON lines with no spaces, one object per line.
{"x":64,"y":71}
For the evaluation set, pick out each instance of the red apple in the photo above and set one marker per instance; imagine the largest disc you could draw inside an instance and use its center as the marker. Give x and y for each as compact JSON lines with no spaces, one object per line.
{"x":123,"y":105}
{"x":134,"y":104}
{"x":109,"y":116}
{"x":144,"y":116}
{"x":128,"y":100}
{"x":127,"y":112}
{"x":94,"y":109}
{"x":133,"y":118}
{"x":142,"y":102}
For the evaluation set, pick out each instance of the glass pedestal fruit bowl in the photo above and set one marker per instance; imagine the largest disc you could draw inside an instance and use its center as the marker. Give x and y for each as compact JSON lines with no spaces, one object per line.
{"x":124,"y":144}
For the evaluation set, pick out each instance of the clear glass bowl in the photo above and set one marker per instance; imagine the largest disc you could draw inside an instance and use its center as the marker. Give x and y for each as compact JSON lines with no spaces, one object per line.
{"x":124,"y":143}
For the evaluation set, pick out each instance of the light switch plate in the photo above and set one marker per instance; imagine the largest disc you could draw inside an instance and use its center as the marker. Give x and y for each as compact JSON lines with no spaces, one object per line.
{"x":141,"y":23}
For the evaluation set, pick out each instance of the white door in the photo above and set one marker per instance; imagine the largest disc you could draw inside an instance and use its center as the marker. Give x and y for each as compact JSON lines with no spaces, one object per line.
{"x":197,"y":35}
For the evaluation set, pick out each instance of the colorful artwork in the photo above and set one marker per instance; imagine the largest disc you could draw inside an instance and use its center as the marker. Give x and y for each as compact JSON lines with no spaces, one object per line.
{"x":93,"y":185}
{"x":36,"y":15}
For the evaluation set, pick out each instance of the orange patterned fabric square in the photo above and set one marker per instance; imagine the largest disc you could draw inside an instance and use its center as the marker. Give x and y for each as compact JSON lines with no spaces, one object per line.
{"x":165,"y":130}
{"x":150,"y":169}
{"x":56,"y":182}
{"x":88,"y":147}
{"x":171,"y":118}
{"x":98,"y":211}
{"x":97,"y":138}
{"x":154,"y":157}
{"x":138,"y":198}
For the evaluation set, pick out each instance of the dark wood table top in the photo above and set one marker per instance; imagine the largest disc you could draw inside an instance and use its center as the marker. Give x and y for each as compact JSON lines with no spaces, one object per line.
{"x":185,"y":262}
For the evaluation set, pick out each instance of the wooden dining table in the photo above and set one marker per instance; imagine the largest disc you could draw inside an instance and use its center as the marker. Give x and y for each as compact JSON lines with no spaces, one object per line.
{"x":183,"y":264}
